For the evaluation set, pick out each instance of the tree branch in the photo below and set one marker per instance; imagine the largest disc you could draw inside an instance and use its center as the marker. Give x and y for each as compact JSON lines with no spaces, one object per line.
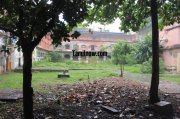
{"x":47,"y":28}
{"x":43,"y":33}
{"x":8,"y":30}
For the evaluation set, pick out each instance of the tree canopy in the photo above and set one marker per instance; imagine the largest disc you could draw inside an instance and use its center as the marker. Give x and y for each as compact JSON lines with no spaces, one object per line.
{"x":144,"y":49}
{"x":133,"y":14}
{"x":120,"y":54}
{"x":30,"y":20}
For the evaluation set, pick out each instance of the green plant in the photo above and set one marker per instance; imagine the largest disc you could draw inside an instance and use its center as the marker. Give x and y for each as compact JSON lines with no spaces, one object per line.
{"x":69,"y":62}
{"x":55,"y":57}
{"x":144,"y":49}
{"x":93,"y":60}
{"x":146,"y":67}
{"x":120,"y":53}
{"x":130,"y":59}
{"x":47,"y":58}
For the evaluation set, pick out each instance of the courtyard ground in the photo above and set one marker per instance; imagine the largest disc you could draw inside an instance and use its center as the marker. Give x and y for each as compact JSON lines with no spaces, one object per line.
{"x":86,"y":100}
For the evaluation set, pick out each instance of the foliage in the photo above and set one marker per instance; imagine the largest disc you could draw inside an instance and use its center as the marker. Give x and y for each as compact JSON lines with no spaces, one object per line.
{"x":47,"y":58}
{"x":134,"y":14}
{"x":130,"y":59}
{"x":31,"y":20}
{"x":146,"y":67}
{"x":55,"y":57}
{"x":144,"y":49}
{"x":120,"y":53}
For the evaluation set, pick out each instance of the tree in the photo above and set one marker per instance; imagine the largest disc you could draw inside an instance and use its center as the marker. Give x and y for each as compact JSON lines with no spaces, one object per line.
{"x":30,"y":20}
{"x":155,"y":55}
{"x":144,"y":49}
{"x":133,"y":15}
{"x":120,"y":54}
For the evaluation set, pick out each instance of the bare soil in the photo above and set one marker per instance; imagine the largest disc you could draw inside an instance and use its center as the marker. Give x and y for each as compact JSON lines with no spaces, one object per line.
{"x":85,"y":100}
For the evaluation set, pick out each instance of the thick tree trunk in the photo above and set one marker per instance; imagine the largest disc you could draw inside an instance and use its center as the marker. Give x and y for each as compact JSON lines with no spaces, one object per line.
{"x":27,"y":89}
{"x":155,"y":55}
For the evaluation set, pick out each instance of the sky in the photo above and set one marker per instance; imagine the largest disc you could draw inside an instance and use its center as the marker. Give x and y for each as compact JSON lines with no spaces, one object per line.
{"x":114,"y":27}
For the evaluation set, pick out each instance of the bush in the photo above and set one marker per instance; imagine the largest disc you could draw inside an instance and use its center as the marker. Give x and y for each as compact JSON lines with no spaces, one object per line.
{"x":146,"y":67}
{"x":55,"y":57}
{"x":130,"y":59}
{"x":47,"y":58}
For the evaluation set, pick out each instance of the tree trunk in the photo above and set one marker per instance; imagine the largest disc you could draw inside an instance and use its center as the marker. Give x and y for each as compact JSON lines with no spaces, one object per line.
{"x":27,"y":89}
{"x":155,"y":55}
{"x":121,"y":75}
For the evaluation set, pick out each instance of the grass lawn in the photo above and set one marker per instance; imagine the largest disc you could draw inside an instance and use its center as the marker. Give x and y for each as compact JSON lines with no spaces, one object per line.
{"x":133,"y":68}
{"x":14,"y":80}
{"x":175,"y":78}
{"x":71,"y":64}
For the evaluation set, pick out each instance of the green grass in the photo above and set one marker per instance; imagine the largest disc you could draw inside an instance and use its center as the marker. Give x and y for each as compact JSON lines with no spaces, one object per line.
{"x":174,"y":78}
{"x":14,"y":80}
{"x":133,"y":68}
{"x":71,"y":64}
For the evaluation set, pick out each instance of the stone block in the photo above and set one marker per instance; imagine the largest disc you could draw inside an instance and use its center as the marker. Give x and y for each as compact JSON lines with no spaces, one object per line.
{"x":63,"y":75}
{"x":110,"y":109}
{"x":164,"y":108}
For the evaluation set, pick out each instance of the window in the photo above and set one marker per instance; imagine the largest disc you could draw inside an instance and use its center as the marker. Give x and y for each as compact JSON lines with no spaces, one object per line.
{"x":92,"y":47}
{"x":67,"y":46}
{"x":83,"y":46}
{"x":67,"y":56}
{"x":76,"y":47}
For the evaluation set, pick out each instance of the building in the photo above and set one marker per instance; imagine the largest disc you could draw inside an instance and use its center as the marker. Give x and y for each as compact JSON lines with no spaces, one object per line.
{"x":170,"y":41}
{"x":93,"y":42}
{"x":10,"y":57}
{"x":14,"y":59}
{"x":43,"y":48}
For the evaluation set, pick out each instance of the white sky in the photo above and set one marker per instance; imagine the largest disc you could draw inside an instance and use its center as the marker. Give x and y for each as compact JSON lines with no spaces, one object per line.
{"x":114,"y":27}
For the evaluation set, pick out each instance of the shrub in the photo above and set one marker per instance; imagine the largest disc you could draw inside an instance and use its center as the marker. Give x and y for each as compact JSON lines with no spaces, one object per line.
{"x":47,"y":58}
{"x":55,"y":57}
{"x":130,"y":59}
{"x":146,"y":67}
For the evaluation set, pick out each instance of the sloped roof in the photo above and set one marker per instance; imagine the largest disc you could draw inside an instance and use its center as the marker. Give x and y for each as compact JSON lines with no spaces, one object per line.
{"x":106,"y":36}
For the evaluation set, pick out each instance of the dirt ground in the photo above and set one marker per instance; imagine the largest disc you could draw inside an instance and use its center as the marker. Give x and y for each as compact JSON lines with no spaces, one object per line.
{"x":128,"y":100}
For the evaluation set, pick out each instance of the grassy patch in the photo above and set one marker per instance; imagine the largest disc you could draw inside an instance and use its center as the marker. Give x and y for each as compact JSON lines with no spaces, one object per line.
{"x":133,"y":68}
{"x":71,"y":64}
{"x":14,"y":80}
{"x":175,"y":78}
